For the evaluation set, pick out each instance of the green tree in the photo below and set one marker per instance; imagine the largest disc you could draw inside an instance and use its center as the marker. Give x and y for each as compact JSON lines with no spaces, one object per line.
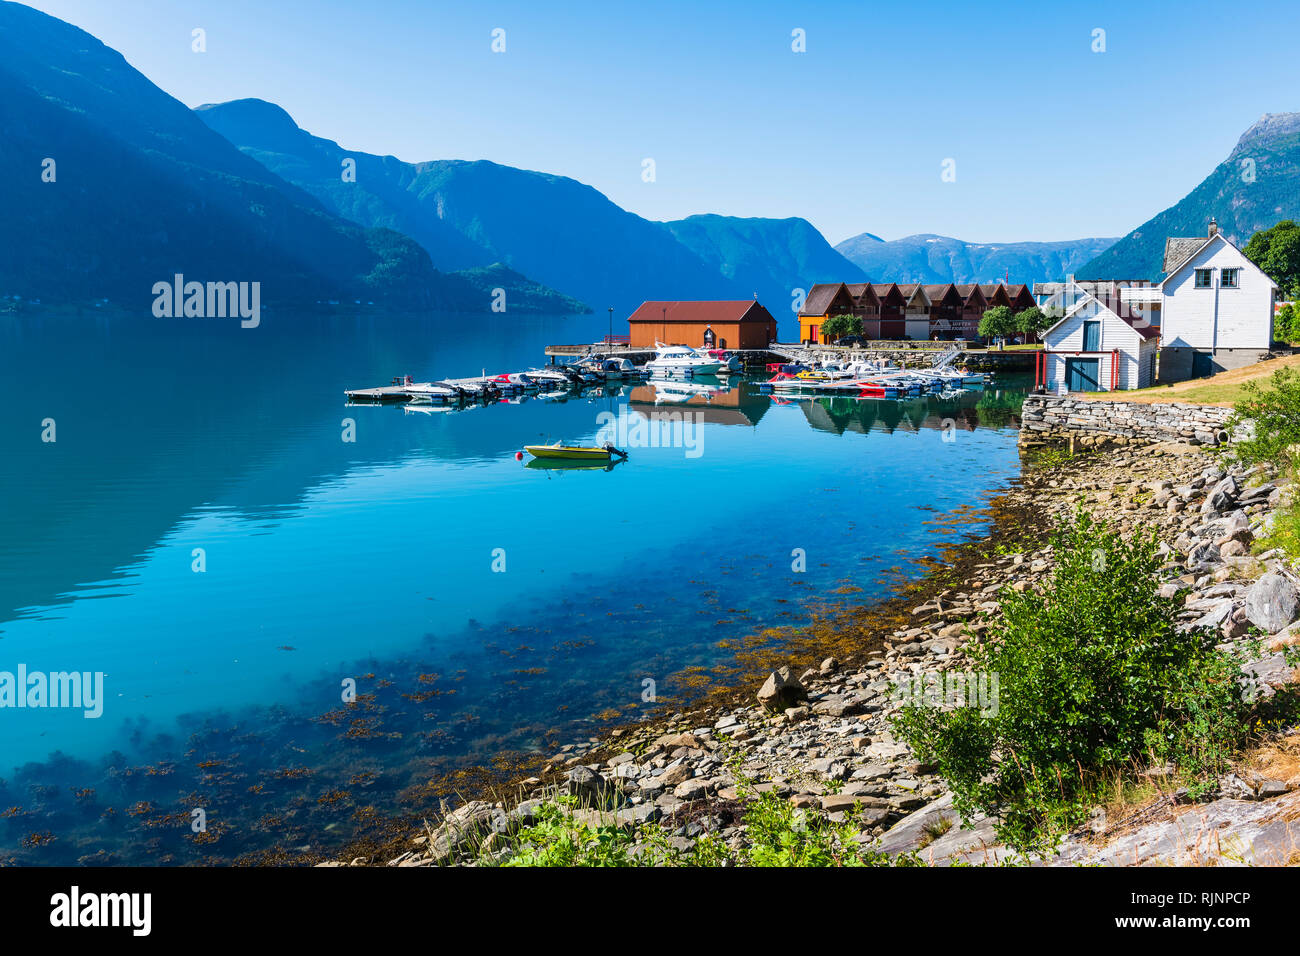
{"x":1286,"y":324}
{"x":1277,"y":252}
{"x":997,"y":323}
{"x":1031,"y":322}
{"x":838,"y":326}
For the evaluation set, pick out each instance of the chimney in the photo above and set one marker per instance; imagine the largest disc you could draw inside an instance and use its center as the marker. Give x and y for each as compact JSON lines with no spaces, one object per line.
{"x":1214,"y":228}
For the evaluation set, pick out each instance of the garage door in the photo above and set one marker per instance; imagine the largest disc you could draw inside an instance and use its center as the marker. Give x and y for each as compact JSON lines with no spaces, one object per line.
{"x":1081,"y":374}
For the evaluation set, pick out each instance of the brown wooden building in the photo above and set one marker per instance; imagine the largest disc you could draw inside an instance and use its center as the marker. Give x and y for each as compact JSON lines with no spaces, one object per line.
{"x":733,"y":324}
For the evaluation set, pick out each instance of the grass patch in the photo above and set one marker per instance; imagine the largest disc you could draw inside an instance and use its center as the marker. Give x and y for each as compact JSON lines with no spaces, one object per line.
{"x":777,"y":835}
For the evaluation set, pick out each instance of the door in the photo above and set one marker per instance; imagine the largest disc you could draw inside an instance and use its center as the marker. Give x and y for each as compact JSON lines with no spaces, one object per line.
{"x":1202,"y":364}
{"x":812,"y":334}
{"x":1092,"y":336}
{"x":1081,"y":374}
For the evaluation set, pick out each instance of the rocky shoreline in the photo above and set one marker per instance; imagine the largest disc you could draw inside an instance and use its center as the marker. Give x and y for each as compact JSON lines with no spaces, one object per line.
{"x":822,"y":739}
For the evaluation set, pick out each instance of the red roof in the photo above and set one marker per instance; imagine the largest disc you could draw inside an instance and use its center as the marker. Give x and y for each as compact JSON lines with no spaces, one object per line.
{"x":703,"y":312}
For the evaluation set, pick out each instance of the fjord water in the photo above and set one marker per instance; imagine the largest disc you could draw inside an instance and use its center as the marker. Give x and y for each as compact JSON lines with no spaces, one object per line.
{"x":480,"y":606}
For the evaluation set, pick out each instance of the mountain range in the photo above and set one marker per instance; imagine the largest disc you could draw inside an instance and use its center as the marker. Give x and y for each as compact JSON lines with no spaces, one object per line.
{"x":1250,"y":190}
{"x":931,"y":258}
{"x":112,"y":186}
{"x":115,"y":185}
{"x":555,"y":229}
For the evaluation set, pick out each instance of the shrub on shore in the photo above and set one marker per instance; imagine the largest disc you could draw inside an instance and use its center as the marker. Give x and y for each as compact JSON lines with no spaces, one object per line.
{"x":1266,"y":429}
{"x":1095,"y":674}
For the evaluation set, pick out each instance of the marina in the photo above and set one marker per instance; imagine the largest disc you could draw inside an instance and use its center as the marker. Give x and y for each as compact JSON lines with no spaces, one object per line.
{"x":671,"y":368}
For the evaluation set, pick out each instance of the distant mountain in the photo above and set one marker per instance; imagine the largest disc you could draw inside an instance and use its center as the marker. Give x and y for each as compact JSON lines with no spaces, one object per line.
{"x":931,"y":258}
{"x":1257,"y":185}
{"x":767,"y":257}
{"x":554,"y":229}
{"x":142,"y":190}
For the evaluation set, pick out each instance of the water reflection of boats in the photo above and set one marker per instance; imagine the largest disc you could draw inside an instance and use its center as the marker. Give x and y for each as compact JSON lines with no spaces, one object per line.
{"x":737,"y":404}
{"x":675,"y":391}
{"x":427,"y":409}
{"x":563,"y":464}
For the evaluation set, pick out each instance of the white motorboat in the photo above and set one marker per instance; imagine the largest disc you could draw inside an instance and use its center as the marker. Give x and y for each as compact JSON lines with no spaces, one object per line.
{"x":680,"y":359}
{"x":550,"y":377}
{"x":433,"y":392}
{"x":611,"y":369}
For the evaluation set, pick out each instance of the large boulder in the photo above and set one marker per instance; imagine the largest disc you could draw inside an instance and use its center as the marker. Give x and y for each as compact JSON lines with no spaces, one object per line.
{"x":1272,"y":602}
{"x":781,"y":690}
{"x":1221,"y":496}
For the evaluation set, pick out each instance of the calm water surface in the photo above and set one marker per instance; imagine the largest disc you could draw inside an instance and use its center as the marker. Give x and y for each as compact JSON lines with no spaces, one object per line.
{"x":480,"y":606}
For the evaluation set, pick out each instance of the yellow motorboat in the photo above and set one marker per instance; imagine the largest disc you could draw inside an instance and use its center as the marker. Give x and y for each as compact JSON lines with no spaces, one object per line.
{"x":574,"y":452}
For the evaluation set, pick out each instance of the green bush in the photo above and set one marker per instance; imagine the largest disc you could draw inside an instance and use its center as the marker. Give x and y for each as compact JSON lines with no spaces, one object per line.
{"x":1094,"y":675}
{"x":1274,"y":413}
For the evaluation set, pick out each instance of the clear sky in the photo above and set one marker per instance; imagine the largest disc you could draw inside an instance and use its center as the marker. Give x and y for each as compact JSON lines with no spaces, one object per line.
{"x":1050,"y":139}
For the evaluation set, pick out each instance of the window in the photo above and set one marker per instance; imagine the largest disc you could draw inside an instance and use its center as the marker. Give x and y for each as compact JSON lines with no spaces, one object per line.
{"x":1228,"y":278}
{"x":1204,"y":278}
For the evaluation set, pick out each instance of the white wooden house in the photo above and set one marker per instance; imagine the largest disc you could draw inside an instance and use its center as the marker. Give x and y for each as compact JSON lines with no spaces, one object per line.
{"x":1216,"y":310}
{"x":1092,"y":349}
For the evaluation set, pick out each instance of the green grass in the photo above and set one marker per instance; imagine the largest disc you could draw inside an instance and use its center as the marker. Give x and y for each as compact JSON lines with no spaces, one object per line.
{"x":777,"y":835}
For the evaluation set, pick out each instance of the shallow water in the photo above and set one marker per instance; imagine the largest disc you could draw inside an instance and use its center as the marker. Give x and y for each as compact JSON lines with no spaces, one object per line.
{"x":479,"y":606}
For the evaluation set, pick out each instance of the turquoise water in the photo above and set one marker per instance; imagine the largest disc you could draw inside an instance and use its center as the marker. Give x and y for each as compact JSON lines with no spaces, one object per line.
{"x":480,"y":606}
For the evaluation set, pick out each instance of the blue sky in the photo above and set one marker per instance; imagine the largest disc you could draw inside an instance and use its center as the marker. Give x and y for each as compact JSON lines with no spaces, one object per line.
{"x":1050,"y":139}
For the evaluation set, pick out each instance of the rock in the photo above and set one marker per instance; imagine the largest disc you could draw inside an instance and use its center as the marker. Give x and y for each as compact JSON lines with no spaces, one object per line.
{"x":1221,"y":496}
{"x":781,"y":691}
{"x":689,"y":790}
{"x":587,"y":785}
{"x":829,"y":666}
{"x":675,"y":775}
{"x":1272,"y":602}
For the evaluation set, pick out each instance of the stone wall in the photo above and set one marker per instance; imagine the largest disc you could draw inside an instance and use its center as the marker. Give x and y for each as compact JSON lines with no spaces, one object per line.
{"x":1049,"y":418}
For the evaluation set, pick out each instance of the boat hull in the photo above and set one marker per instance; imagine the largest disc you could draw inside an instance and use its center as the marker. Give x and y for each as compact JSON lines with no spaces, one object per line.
{"x":567,"y":452}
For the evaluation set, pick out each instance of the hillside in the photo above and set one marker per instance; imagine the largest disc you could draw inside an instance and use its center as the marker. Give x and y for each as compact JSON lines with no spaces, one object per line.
{"x":142,"y":190}
{"x":767,"y":257}
{"x":931,"y":258}
{"x":1257,"y":185}
{"x":551,"y":228}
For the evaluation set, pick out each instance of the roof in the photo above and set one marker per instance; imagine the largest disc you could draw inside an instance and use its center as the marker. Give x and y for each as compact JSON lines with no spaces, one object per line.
{"x":703,"y":312}
{"x":1202,"y":245}
{"x":1145,"y":331}
{"x":856,"y":289}
{"x":1178,"y":249}
{"x":938,"y":291}
{"x":820,"y":297}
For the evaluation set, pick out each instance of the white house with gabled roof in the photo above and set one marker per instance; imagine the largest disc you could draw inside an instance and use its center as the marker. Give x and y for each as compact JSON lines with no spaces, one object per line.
{"x":1216,"y":308}
{"x":1092,"y":349}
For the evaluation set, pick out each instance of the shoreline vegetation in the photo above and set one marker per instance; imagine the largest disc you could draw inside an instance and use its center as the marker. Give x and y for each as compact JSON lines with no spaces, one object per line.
{"x":1136,"y":608}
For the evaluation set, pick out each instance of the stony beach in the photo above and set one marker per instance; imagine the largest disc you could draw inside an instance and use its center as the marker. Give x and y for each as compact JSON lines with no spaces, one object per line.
{"x":821,"y":738}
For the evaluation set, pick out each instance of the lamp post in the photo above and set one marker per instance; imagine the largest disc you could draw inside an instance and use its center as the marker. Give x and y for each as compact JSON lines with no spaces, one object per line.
{"x":610,"y":341}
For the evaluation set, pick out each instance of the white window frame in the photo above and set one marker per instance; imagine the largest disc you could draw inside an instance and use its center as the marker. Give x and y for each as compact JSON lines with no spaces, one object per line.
{"x":1236,"y":279}
{"x":1209,"y":278}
